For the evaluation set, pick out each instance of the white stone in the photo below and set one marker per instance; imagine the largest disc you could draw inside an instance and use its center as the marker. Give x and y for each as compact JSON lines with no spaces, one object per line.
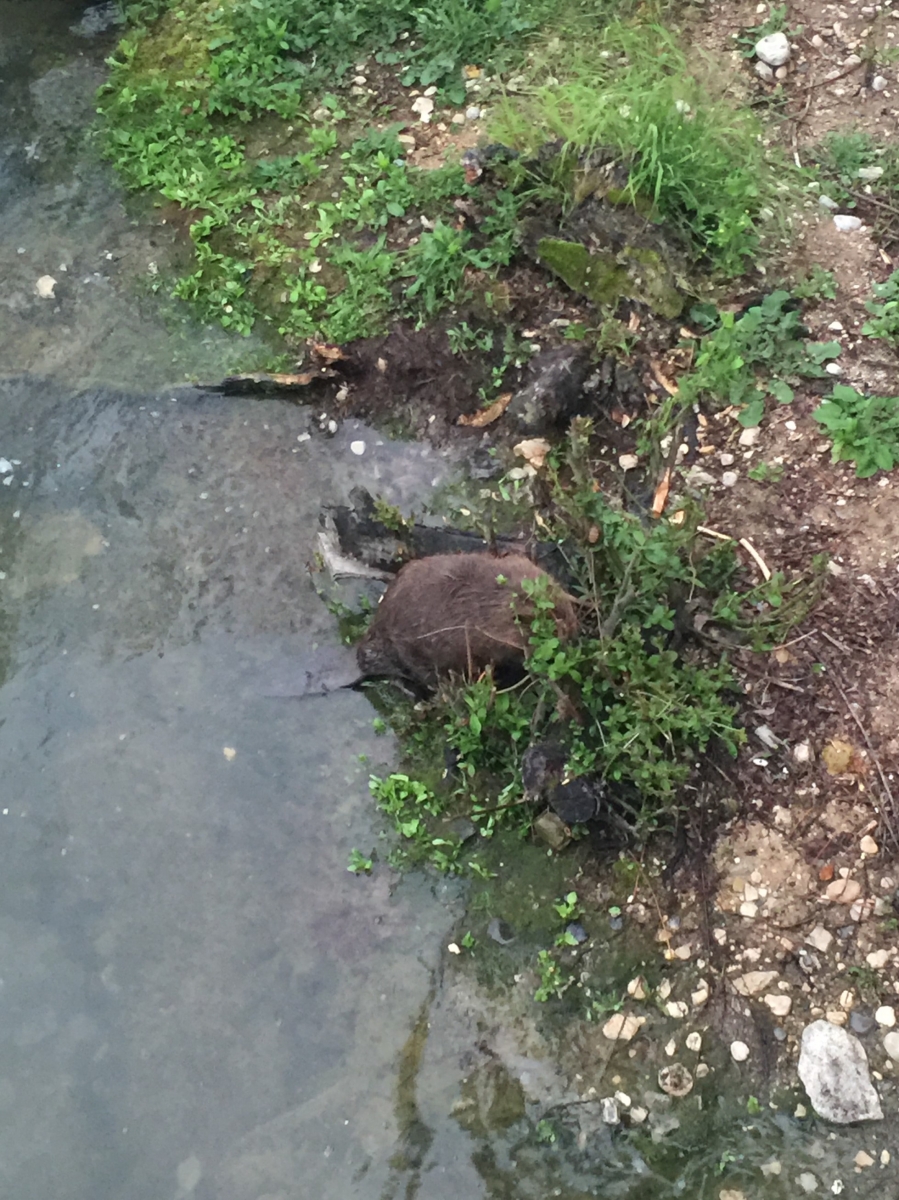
{"x":779,"y":1005}
{"x":473,"y":113}
{"x":807,"y":1182}
{"x":677,"y":1009}
{"x":44,"y":287}
{"x":833,"y":1068}
{"x":885,"y":1016}
{"x":878,"y":959}
{"x":637,"y":988}
{"x":869,"y":174}
{"x":802,"y":752}
{"x":727,"y":460}
{"x":357,"y":447}
{"x":609,"y":1110}
{"x":739,"y":1051}
{"x":833,"y":368}
{"x":891,"y":1045}
{"x":820,"y":939}
{"x":622,"y":1026}
{"x":843,"y":891}
{"x":835,"y":327}
{"x":729,"y":479}
{"x":846,"y":223}
{"x":749,"y":909}
{"x":770,"y":1168}
{"x":424,"y":107}
{"x":868,"y":846}
{"x":863,"y":1159}
{"x":754,"y":982}
{"x":750,"y":436}
{"x":826,"y":202}
{"x":878,"y":83}
{"x":627,"y":462}
{"x":764,"y":71}
{"x":694,"y":1042}
{"x":773,"y":49}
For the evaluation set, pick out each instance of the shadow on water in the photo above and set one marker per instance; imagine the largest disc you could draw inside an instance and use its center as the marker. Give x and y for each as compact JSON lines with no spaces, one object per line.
{"x":196,"y":998}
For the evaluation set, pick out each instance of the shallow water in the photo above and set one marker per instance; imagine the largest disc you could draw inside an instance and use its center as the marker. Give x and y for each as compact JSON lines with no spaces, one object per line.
{"x":196,"y":998}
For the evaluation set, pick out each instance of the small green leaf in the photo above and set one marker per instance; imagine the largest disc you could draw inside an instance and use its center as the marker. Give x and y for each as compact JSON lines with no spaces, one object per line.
{"x":752,"y":414}
{"x":782,"y":392}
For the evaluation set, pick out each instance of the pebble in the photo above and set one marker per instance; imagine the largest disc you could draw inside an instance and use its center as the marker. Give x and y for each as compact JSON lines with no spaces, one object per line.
{"x":699,"y":997}
{"x":676,"y":1080}
{"x":843,"y":891}
{"x":623,"y":1099}
{"x":357,"y":447}
{"x":694,"y":1042}
{"x":779,"y":1005}
{"x":473,"y":113}
{"x":739,"y":1051}
{"x":764,"y":71}
{"x":885,"y":1016}
{"x":638,"y":1115}
{"x":749,"y":909}
{"x":677,"y":1009}
{"x":868,"y":846}
{"x":729,"y":479}
{"x":835,"y":327}
{"x":627,"y":462}
{"x":878,"y":959}
{"x":807,"y":1182}
{"x":637,"y":988}
{"x":826,"y":202}
{"x":727,"y":460}
{"x":754,"y":982}
{"x":609,"y":1111}
{"x":846,"y":223}
{"x":869,"y":174}
{"x":863,"y":1159}
{"x":770,"y":1168}
{"x":878,"y":83}
{"x":780,"y":74}
{"x":833,"y":368}
{"x":891,"y":1045}
{"x":750,"y":436}
{"x":802,"y":752}
{"x":836,"y":1016}
{"x":622,"y":1026}
{"x":44,"y":287}
{"x":820,"y":938}
{"x":424,"y":107}
{"x":774,"y":49}
{"x":817,"y":41}
{"x":861,"y":1023}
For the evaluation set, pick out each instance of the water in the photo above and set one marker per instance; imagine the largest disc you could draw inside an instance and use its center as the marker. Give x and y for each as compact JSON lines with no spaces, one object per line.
{"x":196,"y":998}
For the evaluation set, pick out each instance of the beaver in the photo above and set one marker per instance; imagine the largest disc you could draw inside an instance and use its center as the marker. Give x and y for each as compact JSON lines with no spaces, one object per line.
{"x":457,"y":614}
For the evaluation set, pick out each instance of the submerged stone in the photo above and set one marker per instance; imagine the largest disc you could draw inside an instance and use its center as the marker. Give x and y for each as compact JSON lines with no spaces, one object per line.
{"x":833,"y":1067}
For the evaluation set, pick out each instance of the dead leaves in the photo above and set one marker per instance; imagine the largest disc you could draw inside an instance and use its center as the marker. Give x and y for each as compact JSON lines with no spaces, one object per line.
{"x":486,"y":416}
{"x":533,"y":451}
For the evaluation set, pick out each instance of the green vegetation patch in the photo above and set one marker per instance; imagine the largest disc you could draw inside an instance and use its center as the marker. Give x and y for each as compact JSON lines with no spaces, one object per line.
{"x":864,"y":429}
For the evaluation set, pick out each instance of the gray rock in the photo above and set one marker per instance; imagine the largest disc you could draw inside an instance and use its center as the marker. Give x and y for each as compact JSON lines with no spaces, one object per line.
{"x":764,"y":71}
{"x":555,"y":390}
{"x":774,"y":49}
{"x":861,"y":1022}
{"x":833,"y":1068}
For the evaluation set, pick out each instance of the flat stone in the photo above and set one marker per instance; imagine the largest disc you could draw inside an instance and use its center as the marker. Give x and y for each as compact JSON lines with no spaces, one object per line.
{"x":891,"y":1045}
{"x":863,"y":1159}
{"x":878,"y":959}
{"x":846,"y":223}
{"x":861,"y":1023}
{"x":844,"y":891}
{"x":610,"y":1113}
{"x":750,"y":436}
{"x":677,"y":1009}
{"x":779,"y":1005}
{"x":749,"y":909}
{"x":833,"y":1068}
{"x":764,"y":71}
{"x":622,"y":1026}
{"x":753,"y":983}
{"x":820,"y":938}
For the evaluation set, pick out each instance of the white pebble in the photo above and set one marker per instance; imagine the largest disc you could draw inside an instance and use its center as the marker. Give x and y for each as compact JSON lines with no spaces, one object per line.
{"x":885,"y":1016}
{"x":739,"y":1051}
{"x":846,"y":223}
{"x":729,"y":479}
{"x":774,"y":49}
{"x":357,"y":447}
{"x":878,"y":83}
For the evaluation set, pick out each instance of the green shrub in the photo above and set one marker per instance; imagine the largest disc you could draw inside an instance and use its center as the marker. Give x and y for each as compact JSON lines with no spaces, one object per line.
{"x":864,"y":429}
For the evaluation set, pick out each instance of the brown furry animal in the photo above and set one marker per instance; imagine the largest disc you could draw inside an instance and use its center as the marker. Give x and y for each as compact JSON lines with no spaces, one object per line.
{"x":456,"y":613}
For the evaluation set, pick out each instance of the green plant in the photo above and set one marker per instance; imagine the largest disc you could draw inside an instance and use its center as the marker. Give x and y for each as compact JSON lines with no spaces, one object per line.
{"x":545,"y":1131}
{"x":885,"y":311}
{"x":568,"y":908}
{"x":554,"y":982}
{"x":359,"y":864}
{"x":816,"y":284}
{"x":690,"y":158}
{"x":766,"y":472}
{"x":864,"y":429}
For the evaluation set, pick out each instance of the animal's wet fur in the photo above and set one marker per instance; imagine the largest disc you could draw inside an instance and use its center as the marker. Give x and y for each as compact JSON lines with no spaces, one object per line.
{"x":456,"y":614}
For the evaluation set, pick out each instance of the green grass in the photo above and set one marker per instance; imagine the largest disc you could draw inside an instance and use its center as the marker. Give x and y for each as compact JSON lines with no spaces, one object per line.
{"x":700,"y":163}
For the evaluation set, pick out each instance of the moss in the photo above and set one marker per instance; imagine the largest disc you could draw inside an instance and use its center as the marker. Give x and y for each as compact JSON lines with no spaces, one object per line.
{"x":603,"y":277}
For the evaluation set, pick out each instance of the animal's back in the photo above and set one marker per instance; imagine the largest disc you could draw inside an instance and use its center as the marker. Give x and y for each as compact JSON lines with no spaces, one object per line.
{"x":456,"y":613}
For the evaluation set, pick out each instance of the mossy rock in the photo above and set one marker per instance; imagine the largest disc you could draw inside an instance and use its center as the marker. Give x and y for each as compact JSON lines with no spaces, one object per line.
{"x":604,"y":277}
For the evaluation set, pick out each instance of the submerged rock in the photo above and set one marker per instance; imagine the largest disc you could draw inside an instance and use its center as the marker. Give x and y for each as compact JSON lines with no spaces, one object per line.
{"x":833,"y":1068}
